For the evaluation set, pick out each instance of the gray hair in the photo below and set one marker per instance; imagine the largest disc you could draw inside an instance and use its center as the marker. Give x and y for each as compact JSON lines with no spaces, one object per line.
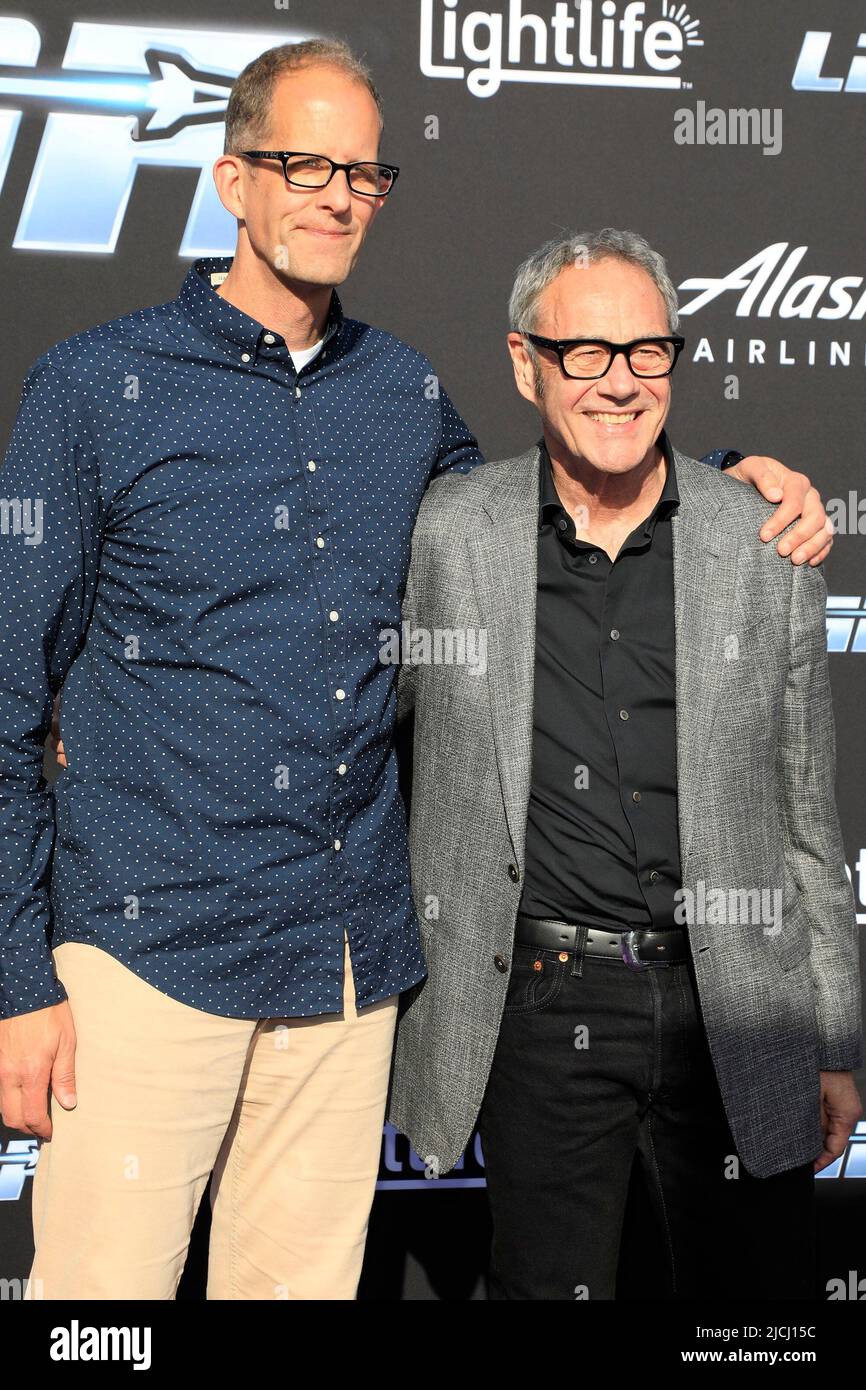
{"x":543,"y":266}
{"x":251,"y":96}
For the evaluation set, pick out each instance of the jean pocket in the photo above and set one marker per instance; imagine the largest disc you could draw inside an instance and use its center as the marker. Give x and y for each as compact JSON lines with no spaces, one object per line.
{"x":535,"y":980}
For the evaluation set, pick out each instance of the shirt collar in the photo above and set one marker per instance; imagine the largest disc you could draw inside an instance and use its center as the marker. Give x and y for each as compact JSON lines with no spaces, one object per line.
{"x":549,"y":503}
{"x":225,"y":324}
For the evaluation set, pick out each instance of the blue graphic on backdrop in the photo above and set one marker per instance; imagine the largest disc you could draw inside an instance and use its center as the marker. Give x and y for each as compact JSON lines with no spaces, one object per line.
{"x":846,"y":624}
{"x":17,"y":1162}
{"x":127,"y":95}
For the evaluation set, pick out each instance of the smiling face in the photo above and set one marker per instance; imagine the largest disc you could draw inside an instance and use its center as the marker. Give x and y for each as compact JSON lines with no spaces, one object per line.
{"x":311,"y":237}
{"x":611,"y":423}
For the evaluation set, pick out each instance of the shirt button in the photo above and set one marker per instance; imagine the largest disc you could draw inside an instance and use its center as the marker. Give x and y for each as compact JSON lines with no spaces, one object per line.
{"x":320,"y":542}
{"x":635,"y":796}
{"x":297,"y":390}
{"x":269,"y":338}
{"x":338,"y":844}
{"x":340,"y":694}
{"x":654,"y":875}
{"x":614,"y":632}
{"x":593,"y":558}
{"x":342,"y":769}
{"x":334,"y":615}
{"x":513,"y":873}
{"x":562,"y":524}
{"x":312,"y":465}
{"x":623,"y":714}
{"x":245,"y":357}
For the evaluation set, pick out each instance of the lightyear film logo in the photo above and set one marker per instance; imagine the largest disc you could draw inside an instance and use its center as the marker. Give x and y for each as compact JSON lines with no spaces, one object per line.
{"x":126,"y":95}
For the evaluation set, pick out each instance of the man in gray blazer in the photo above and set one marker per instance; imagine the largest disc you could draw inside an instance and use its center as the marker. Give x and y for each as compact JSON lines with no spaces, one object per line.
{"x":628,"y":869}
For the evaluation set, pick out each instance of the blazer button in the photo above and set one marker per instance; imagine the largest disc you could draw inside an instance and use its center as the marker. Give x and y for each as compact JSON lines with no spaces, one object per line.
{"x":513,"y":873}
{"x":501,"y":964}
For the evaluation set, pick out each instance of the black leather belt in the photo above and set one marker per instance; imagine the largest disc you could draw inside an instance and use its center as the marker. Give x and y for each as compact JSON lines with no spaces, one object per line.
{"x":639,"y":947}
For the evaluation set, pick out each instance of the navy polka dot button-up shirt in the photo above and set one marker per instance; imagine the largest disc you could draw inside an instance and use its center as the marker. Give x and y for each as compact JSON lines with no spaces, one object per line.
{"x":203,"y":546}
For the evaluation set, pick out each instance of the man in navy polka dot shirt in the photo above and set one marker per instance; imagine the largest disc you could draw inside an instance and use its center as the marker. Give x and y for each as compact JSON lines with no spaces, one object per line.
{"x":205,"y":930}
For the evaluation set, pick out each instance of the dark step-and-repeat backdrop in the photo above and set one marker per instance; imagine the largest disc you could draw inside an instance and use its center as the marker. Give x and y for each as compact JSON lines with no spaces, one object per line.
{"x":730,"y":134}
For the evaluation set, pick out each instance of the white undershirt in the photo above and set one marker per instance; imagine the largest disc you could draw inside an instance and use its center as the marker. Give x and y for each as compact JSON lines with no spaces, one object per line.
{"x":302,"y":356}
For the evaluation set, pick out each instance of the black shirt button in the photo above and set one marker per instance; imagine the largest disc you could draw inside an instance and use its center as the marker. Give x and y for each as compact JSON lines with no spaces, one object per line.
{"x":623,"y":714}
{"x":635,"y":796}
{"x":593,"y":558}
{"x":513,"y":873}
{"x":654,"y":875}
{"x":562,"y":524}
{"x":501,"y":964}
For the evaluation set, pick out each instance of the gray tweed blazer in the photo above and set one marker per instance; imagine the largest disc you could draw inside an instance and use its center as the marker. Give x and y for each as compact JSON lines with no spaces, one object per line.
{"x":756,"y":765}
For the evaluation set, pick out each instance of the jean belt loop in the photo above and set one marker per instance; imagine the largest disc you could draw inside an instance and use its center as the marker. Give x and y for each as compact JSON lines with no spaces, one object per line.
{"x":579,"y":944}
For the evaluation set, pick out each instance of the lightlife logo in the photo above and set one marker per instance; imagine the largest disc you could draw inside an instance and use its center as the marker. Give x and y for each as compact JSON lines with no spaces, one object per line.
{"x":596,"y":43}
{"x":769,"y":286}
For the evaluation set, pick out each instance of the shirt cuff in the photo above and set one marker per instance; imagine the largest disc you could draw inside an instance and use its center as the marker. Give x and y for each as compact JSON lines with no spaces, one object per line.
{"x":27,"y":980}
{"x":722,"y":458}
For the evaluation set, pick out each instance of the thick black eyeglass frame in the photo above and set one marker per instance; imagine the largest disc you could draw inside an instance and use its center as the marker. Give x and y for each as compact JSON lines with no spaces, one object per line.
{"x":562,"y":345}
{"x":285,"y":155}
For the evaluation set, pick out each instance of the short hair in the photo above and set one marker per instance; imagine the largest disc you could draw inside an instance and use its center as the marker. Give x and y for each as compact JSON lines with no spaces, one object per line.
{"x":251,"y":97}
{"x":543,"y":266}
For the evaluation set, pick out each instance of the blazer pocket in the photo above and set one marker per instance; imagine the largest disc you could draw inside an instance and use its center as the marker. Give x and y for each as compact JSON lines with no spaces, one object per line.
{"x":753,"y":621}
{"x":794,"y":941}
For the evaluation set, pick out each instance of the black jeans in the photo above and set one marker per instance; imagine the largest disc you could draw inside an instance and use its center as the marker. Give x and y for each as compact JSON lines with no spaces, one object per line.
{"x":597,"y":1067}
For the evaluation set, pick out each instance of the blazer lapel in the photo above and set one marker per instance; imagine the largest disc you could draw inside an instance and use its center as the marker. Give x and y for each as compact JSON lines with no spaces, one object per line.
{"x":708,"y":612}
{"x":503,"y":557}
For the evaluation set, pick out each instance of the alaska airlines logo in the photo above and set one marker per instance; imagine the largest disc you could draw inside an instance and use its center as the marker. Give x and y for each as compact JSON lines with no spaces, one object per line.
{"x":607,"y":45}
{"x":126,"y":96}
{"x":809,"y":75}
{"x":768,"y":287}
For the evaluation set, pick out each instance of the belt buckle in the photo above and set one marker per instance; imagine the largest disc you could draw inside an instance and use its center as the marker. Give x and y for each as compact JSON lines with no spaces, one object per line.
{"x":627,"y":949}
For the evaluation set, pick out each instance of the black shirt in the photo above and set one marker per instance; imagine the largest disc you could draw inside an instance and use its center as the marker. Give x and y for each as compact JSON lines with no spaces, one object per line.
{"x":602,"y":838}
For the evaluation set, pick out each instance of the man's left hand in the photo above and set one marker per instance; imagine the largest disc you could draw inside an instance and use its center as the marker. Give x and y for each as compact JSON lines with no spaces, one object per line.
{"x":812,"y":537}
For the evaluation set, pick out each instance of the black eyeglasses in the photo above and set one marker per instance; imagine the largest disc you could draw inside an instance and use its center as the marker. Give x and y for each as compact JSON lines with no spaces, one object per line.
{"x":316,"y":171}
{"x":587,"y":359}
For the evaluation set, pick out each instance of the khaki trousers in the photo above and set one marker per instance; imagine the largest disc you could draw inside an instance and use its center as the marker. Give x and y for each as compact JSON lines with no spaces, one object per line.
{"x":286,"y":1113}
